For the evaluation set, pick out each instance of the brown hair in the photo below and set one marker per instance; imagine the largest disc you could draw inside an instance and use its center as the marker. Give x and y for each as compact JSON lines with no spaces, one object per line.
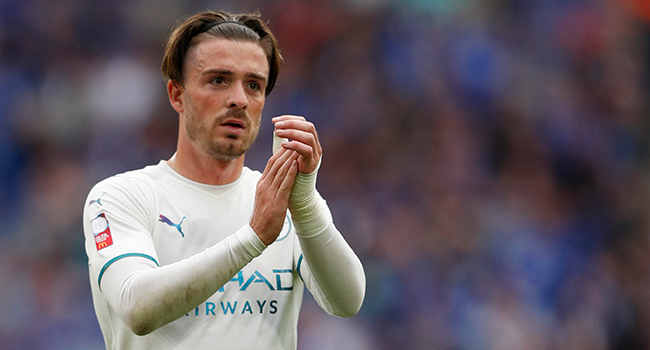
{"x":245,"y":27}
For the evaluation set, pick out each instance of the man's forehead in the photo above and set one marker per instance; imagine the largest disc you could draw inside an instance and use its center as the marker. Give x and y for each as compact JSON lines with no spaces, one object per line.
{"x":210,"y":53}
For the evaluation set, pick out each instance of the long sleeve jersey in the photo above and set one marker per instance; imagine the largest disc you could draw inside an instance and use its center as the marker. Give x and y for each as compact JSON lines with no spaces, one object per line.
{"x":174,"y":264}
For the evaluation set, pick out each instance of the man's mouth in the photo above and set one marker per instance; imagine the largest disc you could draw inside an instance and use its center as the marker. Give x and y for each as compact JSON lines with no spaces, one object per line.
{"x":234,"y":123}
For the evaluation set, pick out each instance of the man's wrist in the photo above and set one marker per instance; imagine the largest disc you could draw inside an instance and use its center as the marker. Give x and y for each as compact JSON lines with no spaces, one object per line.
{"x":303,"y":191}
{"x":304,"y":202}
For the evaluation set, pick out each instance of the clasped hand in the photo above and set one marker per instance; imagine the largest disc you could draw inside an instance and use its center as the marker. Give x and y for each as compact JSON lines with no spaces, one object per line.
{"x":300,"y":154}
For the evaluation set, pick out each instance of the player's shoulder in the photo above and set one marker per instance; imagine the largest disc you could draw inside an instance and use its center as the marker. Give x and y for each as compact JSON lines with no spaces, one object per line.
{"x":148,"y":180}
{"x":133,"y":181}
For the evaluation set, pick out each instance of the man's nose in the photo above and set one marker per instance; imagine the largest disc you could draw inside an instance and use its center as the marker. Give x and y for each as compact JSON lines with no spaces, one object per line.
{"x":237,"y":97}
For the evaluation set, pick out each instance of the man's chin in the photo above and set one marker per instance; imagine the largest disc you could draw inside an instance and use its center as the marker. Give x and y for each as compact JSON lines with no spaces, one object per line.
{"x":230,"y":146}
{"x":228,"y":152}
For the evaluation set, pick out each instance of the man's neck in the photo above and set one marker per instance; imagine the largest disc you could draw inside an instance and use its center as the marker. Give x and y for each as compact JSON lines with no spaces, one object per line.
{"x":206,"y":170}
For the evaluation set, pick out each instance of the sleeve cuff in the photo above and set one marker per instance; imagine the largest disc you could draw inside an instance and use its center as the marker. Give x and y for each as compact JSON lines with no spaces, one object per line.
{"x":250,"y":241}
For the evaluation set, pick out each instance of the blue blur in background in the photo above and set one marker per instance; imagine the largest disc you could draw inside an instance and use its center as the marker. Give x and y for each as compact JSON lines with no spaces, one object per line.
{"x":488,"y":160}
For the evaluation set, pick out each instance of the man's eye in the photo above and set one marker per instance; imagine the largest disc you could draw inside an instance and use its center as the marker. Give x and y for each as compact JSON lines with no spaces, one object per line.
{"x":218,"y":81}
{"x":253,"y":86}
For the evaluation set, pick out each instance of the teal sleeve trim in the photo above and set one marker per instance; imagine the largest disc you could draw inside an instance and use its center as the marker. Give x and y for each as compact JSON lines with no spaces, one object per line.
{"x":101,"y":273}
{"x":298,"y":268}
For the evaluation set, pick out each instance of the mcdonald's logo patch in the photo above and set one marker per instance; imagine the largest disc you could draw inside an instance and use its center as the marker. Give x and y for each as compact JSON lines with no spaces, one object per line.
{"x":102,"y":232}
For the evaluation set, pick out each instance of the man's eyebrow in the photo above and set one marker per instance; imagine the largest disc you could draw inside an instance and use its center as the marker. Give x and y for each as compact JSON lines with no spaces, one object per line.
{"x":217,"y":71}
{"x":231,"y":73}
{"x":257,"y":76}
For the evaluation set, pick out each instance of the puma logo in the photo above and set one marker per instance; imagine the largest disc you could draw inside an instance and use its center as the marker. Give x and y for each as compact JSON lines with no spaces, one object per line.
{"x":163,"y":218}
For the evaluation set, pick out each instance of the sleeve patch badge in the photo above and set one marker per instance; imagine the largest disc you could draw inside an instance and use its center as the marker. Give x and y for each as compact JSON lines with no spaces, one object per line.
{"x":102,"y":232}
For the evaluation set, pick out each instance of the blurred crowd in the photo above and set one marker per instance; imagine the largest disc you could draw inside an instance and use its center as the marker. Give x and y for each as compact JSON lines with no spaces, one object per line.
{"x":488,"y":160}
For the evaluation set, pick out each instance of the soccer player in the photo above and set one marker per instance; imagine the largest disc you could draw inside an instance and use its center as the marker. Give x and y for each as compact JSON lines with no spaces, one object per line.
{"x":199,"y":251}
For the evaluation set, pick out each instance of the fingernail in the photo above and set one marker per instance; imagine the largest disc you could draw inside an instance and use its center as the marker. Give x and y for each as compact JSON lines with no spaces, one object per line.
{"x":279,"y":124}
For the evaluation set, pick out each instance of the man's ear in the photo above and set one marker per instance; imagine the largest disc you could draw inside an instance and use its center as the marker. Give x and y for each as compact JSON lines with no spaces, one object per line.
{"x":175,"y":93}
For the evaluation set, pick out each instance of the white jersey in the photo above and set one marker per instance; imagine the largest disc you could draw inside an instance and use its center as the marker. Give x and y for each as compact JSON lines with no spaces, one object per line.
{"x":154,"y":214}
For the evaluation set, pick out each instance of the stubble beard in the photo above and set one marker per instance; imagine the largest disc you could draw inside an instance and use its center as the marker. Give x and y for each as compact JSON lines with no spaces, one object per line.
{"x":224,"y":149}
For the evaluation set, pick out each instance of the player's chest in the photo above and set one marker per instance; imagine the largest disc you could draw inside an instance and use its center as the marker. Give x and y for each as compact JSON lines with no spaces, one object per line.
{"x":187,"y":222}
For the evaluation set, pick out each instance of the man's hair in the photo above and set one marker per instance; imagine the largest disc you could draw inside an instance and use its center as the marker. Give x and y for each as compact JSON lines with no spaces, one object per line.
{"x":242,"y":27}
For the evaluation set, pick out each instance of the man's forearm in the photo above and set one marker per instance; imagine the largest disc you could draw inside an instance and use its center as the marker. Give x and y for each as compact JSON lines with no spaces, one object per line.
{"x":338,"y":278}
{"x":147,"y":297}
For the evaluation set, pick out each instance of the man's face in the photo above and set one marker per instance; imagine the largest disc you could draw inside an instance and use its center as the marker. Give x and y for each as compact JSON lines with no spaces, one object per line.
{"x":223,"y":95}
